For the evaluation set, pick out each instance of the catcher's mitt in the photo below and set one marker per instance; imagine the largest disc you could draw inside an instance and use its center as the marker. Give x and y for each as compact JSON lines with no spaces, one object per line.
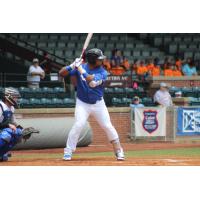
{"x":27,"y":132}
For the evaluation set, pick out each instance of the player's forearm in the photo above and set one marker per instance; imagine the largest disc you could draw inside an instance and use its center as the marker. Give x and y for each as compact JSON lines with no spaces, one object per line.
{"x":63,"y":72}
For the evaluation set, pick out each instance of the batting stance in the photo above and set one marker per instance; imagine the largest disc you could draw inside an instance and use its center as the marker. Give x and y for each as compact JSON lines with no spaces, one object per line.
{"x":90,"y":80}
{"x":10,"y":132}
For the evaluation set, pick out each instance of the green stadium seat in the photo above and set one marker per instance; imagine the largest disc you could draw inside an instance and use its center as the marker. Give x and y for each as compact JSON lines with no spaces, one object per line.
{"x":139,"y":46}
{"x":104,"y":38}
{"x":59,"y":53}
{"x":51,"y":45}
{"x":43,"y":37}
{"x":116,"y":102}
{"x":64,"y":38}
{"x":108,"y":94}
{"x":177,"y":39}
{"x":68,"y":54}
{"x":71,"y":45}
{"x":145,"y":54}
{"x":74,"y":38}
{"x":147,"y":101}
{"x":53,"y":37}
{"x":100,"y":46}
{"x":42,"y":45}
{"x":110,"y":46}
{"x":119,"y":92}
{"x":119,"y":46}
{"x":1,"y":92}
{"x":182,"y":47}
{"x":48,"y":92}
{"x":23,"y":103}
{"x":174,"y":89}
{"x":114,"y":38}
{"x":136,"y":53}
{"x":129,"y":92}
{"x":173,"y":48}
{"x":127,"y":53}
{"x":36,"y":92}
{"x":57,"y":102}
{"x":126,"y":101}
{"x":45,"y":102}
{"x":167,"y":40}
{"x":188,"y":92}
{"x":129,"y":46}
{"x":158,"y":41}
{"x":188,"y":54}
{"x":69,"y":103}
{"x":61,"y":45}
{"x":34,"y":37}
{"x":34,"y":103}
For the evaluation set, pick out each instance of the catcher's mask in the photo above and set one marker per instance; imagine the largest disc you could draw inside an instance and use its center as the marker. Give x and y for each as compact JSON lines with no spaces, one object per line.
{"x":94,"y":54}
{"x":12,"y":95}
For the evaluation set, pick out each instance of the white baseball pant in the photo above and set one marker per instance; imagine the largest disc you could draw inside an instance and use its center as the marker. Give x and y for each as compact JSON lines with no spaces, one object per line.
{"x":82,"y":111}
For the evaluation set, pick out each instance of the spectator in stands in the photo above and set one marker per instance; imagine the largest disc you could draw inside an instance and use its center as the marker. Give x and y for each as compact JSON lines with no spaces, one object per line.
{"x":119,"y":63}
{"x":168,"y":71}
{"x":150,"y":65}
{"x":178,"y":64}
{"x":107,"y":65}
{"x":35,"y":73}
{"x":155,"y":71}
{"x":176,"y":71}
{"x":189,"y":68}
{"x":142,"y":69}
{"x":178,"y":94}
{"x":136,"y":103}
{"x":162,"y":97}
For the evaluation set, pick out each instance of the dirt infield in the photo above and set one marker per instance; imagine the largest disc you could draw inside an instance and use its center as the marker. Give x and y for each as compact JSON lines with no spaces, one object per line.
{"x":151,"y":154}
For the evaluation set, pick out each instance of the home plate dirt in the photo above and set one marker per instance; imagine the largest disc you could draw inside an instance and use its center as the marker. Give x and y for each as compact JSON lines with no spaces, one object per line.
{"x":151,"y":154}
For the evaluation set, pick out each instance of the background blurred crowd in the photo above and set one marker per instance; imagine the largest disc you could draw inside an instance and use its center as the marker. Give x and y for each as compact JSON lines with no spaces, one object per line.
{"x":118,"y":64}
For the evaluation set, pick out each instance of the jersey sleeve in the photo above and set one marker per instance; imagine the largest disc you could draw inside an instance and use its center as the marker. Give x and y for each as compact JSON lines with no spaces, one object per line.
{"x":73,"y":72}
{"x":100,"y":76}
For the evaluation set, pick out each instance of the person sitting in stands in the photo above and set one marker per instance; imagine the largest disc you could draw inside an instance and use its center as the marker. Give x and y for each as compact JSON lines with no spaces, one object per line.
{"x":119,"y":64}
{"x":178,"y":94}
{"x":150,"y":65}
{"x":141,"y":69}
{"x":178,"y":64}
{"x":155,"y":71}
{"x":106,"y":64}
{"x":35,"y":73}
{"x":136,"y":103}
{"x":189,"y":68}
{"x":176,"y":71}
{"x":168,"y":71}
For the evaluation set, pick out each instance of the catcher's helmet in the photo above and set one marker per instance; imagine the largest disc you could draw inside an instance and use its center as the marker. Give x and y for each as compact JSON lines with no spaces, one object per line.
{"x":94,"y":54}
{"x":11,"y":95}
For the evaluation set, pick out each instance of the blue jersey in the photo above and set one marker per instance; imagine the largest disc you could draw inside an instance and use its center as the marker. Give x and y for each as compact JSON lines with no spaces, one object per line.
{"x":86,"y":93}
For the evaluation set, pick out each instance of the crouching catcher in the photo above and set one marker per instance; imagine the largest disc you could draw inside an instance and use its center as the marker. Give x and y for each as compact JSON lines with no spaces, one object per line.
{"x":10,"y":132}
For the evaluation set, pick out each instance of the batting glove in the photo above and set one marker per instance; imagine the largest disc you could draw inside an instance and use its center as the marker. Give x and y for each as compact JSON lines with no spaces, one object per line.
{"x":76,"y":63}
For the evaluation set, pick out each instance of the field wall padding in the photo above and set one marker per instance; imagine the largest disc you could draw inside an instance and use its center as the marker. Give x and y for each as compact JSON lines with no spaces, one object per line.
{"x":53,"y":133}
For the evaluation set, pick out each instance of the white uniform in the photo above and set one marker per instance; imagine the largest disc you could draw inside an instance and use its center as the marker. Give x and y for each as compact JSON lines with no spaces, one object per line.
{"x":82,"y":111}
{"x":163,"y":97}
{"x":34,"y":81}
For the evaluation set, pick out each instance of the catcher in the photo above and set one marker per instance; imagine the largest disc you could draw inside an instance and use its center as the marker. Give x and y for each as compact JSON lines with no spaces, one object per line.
{"x":10,"y":132}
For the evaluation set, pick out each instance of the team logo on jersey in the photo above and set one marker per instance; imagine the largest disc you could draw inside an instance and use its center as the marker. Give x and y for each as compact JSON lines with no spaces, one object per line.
{"x":150,"y":121}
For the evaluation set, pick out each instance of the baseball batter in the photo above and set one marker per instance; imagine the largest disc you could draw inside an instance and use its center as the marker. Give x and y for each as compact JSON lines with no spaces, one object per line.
{"x":90,"y":88}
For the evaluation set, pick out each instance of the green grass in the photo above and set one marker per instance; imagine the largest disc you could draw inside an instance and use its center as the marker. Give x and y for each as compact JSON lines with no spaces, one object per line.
{"x":189,"y":152}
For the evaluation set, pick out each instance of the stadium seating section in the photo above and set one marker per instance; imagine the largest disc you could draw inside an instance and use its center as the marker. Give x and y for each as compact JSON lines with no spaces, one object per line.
{"x":134,"y":46}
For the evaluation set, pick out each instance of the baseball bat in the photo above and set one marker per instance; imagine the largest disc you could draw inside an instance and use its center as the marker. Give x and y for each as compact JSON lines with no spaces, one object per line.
{"x":87,"y":41}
